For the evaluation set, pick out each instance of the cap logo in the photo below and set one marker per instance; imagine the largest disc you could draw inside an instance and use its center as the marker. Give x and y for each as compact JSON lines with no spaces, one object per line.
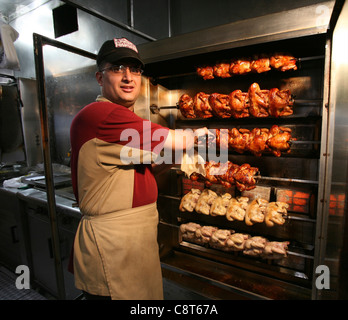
{"x":124,"y":43}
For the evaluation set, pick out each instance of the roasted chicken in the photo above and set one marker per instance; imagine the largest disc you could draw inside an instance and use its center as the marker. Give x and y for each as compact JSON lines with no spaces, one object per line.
{"x":283,"y":62}
{"x":240,"y":66}
{"x":258,"y":141}
{"x":239,"y":140}
{"x":260,"y":65}
{"x":279,"y":139}
{"x":222,"y":70}
{"x":239,"y":104}
{"x":258,"y":101}
{"x":201,"y":106}
{"x":220,"y":105}
{"x":229,"y":174}
{"x":186,"y":106}
{"x":276,"y":140}
{"x":189,"y":200}
{"x":280,"y":103}
{"x":206,"y":72}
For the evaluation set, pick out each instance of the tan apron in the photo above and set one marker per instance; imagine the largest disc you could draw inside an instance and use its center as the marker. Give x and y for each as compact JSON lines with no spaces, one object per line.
{"x":116,"y":255}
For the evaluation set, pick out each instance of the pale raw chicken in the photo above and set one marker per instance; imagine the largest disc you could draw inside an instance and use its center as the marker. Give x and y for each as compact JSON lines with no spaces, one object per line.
{"x":254,"y":246}
{"x":188,"y":230}
{"x":275,"y":250}
{"x":189,"y":200}
{"x":275,"y":213}
{"x":219,"y":238}
{"x":236,"y":241}
{"x":205,"y":201}
{"x":237,"y":208}
{"x":204,"y":234}
{"x":255,"y":212}
{"x":220,"y":204}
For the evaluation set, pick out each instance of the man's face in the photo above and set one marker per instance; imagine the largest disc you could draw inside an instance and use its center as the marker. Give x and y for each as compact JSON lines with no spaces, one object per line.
{"x":121,"y":87}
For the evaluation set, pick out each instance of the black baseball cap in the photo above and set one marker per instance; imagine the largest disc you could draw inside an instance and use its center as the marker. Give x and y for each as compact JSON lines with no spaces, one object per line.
{"x":118,"y":49}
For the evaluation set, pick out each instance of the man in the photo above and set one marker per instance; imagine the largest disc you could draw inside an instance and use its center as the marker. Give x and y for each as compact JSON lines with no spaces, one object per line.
{"x":115,"y":250}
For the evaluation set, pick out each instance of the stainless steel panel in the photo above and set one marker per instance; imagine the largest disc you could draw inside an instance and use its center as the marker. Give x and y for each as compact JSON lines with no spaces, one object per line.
{"x":283,"y":25}
{"x":31,"y":121}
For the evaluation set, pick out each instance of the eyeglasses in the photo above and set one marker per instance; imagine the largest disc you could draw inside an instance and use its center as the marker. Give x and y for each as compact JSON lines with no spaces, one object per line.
{"x":122,"y":69}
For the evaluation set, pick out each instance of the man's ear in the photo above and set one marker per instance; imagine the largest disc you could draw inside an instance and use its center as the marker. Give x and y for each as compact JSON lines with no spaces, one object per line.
{"x":99,"y":77}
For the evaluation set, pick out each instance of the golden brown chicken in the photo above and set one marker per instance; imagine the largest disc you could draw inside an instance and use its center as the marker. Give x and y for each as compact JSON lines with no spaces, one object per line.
{"x":283,"y":62}
{"x":258,"y":141}
{"x":245,"y":177}
{"x":222,"y":70}
{"x":236,"y":208}
{"x":229,"y":174}
{"x":239,"y":140}
{"x":189,"y":200}
{"x":205,"y":201}
{"x":220,"y":204}
{"x":258,"y":101}
{"x":239,"y":104}
{"x":275,"y":213}
{"x":240,"y":66}
{"x":280,"y":102}
{"x":260,"y":65}
{"x":275,"y":250}
{"x":222,"y":138}
{"x":256,"y":211}
{"x":206,"y":72}
{"x":201,"y":106}
{"x":279,"y":140}
{"x":220,"y":105}
{"x":186,"y":106}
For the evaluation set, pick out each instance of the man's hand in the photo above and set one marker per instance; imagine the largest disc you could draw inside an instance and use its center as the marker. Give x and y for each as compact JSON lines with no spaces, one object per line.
{"x":203,"y":135}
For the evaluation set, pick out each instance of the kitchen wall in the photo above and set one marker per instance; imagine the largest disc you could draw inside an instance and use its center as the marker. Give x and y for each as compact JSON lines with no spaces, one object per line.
{"x":156,"y":18}
{"x":149,"y":19}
